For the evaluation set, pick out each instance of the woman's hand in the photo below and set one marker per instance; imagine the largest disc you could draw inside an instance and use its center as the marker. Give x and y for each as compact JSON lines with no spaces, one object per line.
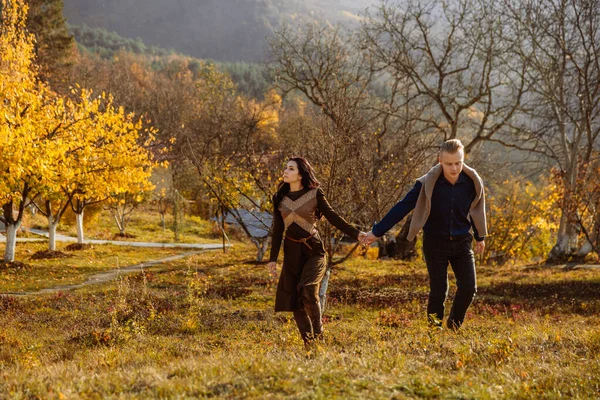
{"x":367,"y":239}
{"x":272,"y":269}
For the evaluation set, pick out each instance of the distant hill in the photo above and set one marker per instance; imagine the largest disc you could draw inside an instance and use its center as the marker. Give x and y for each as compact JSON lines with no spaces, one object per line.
{"x":248,"y":76}
{"x":224,"y":30}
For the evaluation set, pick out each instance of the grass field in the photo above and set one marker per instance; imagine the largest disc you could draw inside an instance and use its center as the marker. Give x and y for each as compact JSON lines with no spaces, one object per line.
{"x":204,"y":327}
{"x":74,"y":267}
{"x":144,"y":226}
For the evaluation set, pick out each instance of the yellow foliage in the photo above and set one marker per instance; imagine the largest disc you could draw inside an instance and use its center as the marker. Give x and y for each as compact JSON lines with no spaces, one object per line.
{"x":87,"y":148}
{"x":25,"y":158}
{"x":521,"y":219}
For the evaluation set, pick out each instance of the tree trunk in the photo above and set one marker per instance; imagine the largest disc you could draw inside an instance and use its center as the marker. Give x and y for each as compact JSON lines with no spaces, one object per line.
{"x":11,"y":241}
{"x":384,"y":247}
{"x":402,"y":249}
{"x":52,"y":225}
{"x":176,"y":219}
{"x":261,"y":246}
{"x":79,"y":220}
{"x":566,"y":242}
{"x":323,"y":289}
{"x":591,"y":242}
{"x":119,"y":220}
{"x":223,"y":228}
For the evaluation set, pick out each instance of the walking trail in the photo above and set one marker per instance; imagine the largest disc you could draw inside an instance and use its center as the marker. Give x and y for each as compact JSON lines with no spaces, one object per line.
{"x":63,"y":238}
{"x":110,"y":275}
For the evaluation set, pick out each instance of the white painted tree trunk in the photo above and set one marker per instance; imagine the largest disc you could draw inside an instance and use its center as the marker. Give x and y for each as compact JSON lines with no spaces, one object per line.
{"x":261,"y":246}
{"x":566,"y":242}
{"x":323,"y":290}
{"x":588,"y":246}
{"x":52,"y":225}
{"x":11,"y":242}
{"x":79,"y":220}
{"x":585,"y":249}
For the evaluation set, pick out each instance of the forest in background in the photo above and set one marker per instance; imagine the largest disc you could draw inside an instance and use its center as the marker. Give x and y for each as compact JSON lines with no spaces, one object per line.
{"x":222,"y":30}
{"x":249,"y":77}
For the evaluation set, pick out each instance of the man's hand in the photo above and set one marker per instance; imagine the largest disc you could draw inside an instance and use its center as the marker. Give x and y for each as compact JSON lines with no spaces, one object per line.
{"x":367,"y":238}
{"x":479,"y":247}
{"x":272,"y":269}
{"x":361,"y":237}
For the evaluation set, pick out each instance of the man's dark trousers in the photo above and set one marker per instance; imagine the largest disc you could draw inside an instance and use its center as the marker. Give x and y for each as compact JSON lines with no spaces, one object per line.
{"x":438,"y":252}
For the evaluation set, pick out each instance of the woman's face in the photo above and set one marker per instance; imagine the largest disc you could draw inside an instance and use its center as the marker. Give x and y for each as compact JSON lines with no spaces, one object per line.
{"x":291,"y":173}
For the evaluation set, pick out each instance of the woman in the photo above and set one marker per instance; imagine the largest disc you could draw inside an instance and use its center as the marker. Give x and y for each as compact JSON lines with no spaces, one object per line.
{"x":298,"y":205}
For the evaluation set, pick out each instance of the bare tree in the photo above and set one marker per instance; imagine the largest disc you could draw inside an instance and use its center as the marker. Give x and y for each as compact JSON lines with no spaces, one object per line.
{"x":560,"y":43}
{"x":451,"y":71}
{"x":460,"y":72}
{"x":588,"y":206}
{"x":355,"y":137}
{"x":414,"y":74}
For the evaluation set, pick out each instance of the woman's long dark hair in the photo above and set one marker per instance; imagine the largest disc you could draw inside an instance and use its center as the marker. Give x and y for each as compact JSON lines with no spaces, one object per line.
{"x":309,"y":180}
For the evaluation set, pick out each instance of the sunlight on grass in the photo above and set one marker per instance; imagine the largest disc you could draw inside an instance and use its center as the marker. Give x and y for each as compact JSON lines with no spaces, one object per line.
{"x":204,"y":327}
{"x":145,"y":226}
{"x":74,"y":268}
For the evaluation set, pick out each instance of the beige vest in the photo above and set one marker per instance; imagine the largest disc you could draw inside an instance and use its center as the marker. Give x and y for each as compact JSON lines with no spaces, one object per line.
{"x":423,"y":207}
{"x":301,"y":211}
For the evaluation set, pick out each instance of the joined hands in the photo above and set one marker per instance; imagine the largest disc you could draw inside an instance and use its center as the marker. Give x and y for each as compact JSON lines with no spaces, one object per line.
{"x":366,"y":239}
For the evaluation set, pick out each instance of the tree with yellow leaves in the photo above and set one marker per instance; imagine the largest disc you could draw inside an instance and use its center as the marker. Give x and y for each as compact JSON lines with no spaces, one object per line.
{"x":107,"y":159}
{"x":94,"y":145}
{"x":64,"y":152}
{"x":26,"y":160}
{"x":55,"y":199}
{"x":522,"y":219}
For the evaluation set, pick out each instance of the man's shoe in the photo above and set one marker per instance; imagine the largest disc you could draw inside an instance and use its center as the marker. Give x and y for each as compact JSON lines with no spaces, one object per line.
{"x":434,"y":322}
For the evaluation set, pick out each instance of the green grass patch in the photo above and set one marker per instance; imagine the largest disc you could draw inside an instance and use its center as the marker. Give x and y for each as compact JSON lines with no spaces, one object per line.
{"x":145,"y":226}
{"x":74,"y":267}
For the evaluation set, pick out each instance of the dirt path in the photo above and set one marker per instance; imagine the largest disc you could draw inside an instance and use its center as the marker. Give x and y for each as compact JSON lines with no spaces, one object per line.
{"x":64,"y":238}
{"x":106,"y":276}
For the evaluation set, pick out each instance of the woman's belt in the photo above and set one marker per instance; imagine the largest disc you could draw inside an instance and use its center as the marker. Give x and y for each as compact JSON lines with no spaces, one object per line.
{"x":303,"y":240}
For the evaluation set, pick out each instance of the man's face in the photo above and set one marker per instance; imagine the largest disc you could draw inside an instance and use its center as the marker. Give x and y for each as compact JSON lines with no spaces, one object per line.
{"x":452,"y":164}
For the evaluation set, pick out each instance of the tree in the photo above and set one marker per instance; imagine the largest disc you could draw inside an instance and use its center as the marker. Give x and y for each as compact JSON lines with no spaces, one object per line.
{"x":230,"y":143}
{"x":586,"y":199}
{"x":457,"y":61}
{"x":26,"y":158}
{"x":558,"y":40}
{"x":122,"y":205}
{"x":109,"y":159}
{"x":98,"y":157}
{"x":452,"y":71}
{"x":363,"y":139}
{"x":54,"y":46}
{"x":522,"y":218}
{"x":73,"y":120}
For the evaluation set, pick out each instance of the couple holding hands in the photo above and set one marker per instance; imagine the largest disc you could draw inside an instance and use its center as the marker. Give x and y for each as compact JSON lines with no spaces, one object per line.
{"x":448,"y":204}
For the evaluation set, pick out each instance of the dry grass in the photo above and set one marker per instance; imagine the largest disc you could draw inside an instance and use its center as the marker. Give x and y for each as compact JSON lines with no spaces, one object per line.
{"x":204,"y":327}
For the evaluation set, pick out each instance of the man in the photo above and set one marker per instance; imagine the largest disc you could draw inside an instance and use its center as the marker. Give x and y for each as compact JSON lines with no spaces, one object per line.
{"x":448,"y":202}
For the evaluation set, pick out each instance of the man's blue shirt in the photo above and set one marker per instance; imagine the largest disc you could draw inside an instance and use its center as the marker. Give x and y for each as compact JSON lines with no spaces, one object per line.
{"x":450,"y":206}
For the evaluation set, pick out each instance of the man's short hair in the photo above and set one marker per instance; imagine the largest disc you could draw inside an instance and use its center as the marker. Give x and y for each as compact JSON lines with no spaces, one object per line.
{"x":452,"y":146}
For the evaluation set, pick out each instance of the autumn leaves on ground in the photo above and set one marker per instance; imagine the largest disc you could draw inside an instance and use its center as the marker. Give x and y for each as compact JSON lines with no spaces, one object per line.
{"x":204,"y":327}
